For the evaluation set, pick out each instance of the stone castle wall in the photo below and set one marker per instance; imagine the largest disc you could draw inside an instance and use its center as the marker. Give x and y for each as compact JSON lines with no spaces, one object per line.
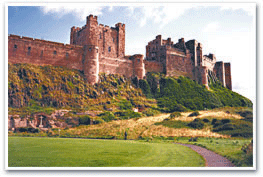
{"x":95,"y":48}
{"x":36,"y":51}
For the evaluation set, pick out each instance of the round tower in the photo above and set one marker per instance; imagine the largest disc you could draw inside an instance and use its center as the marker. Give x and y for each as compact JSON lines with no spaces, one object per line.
{"x":91,"y":64}
{"x":138,"y":65}
{"x":204,"y":74}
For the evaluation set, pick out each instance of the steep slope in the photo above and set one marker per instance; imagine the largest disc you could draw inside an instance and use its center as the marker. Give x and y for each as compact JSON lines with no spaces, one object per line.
{"x":59,"y":87}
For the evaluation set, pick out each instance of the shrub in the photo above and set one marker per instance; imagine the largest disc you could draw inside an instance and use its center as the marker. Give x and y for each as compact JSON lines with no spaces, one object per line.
{"x":127,"y":114}
{"x":22,"y":129}
{"x":196,"y":113}
{"x":175,"y":114}
{"x":214,"y":121}
{"x":143,"y":84}
{"x":107,"y":116}
{"x":205,"y":120}
{"x":235,"y":128}
{"x":197,"y":124}
{"x":124,"y":104}
{"x":84,"y":120}
{"x":224,"y":121}
{"x":193,"y":139}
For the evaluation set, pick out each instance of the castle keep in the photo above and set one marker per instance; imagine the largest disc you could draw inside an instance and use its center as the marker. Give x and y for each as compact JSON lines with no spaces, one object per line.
{"x":95,"y":48}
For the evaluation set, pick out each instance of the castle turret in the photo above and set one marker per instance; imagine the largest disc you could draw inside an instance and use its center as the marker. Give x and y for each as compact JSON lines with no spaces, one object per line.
{"x":228,"y":78}
{"x":121,"y":39}
{"x":91,"y":63}
{"x":138,"y":65}
{"x":219,"y":69}
{"x":204,"y":73}
{"x":73,"y":35}
{"x":199,"y":54}
{"x":92,"y":26}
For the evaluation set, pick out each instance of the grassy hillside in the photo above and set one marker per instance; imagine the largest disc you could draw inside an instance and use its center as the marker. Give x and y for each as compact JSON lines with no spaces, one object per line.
{"x":34,"y":88}
{"x":182,"y":94}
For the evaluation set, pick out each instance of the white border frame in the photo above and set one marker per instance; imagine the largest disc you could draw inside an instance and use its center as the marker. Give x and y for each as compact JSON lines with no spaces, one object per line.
{"x":122,"y":168}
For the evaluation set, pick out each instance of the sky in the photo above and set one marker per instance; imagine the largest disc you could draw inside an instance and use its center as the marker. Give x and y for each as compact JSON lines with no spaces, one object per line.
{"x":227,"y":30}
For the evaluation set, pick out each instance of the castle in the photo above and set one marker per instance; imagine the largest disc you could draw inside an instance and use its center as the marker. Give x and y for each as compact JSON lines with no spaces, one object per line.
{"x":96,"y":48}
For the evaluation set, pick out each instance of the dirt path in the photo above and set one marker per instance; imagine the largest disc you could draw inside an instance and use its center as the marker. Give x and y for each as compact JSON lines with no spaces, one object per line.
{"x":212,"y":159}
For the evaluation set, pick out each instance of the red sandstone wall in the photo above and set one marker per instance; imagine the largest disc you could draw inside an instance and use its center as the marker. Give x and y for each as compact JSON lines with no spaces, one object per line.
{"x":42,"y":52}
{"x":209,"y":63}
{"x":228,"y":78}
{"x":153,"y":66}
{"x":178,"y":63}
{"x":219,"y":69}
{"x":116,"y":66}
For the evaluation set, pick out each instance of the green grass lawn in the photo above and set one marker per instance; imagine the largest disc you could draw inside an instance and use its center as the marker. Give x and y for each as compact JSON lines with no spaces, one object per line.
{"x":59,"y":152}
{"x":230,"y":148}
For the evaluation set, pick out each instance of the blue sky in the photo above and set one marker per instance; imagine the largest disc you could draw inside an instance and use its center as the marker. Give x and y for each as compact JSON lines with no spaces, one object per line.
{"x":227,"y":30}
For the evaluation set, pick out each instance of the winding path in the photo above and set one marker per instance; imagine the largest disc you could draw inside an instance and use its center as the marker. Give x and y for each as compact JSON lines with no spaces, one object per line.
{"x":212,"y":159}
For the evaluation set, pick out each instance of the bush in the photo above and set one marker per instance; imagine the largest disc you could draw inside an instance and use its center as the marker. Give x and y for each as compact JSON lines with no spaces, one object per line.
{"x":197,"y":124}
{"x":196,"y":113}
{"x":235,"y":128}
{"x":84,"y":120}
{"x":193,"y":139}
{"x":224,"y":121}
{"x":205,"y":120}
{"x":143,"y":84}
{"x":107,"y":116}
{"x":127,"y":114}
{"x":175,"y":114}
{"x":214,"y":121}
{"x":124,"y":104}
{"x":22,"y":129}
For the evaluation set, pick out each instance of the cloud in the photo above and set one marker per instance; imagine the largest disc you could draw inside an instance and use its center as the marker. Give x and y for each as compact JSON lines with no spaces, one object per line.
{"x":79,"y":11}
{"x":158,"y":14}
{"x":211,"y":27}
{"x":248,"y":8}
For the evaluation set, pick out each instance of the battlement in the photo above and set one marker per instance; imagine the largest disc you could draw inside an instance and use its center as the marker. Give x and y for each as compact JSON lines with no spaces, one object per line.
{"x":92,"y":18}
{"x":24,"y":38}
{"x":119,"y":25}
{"x":211,"y":56}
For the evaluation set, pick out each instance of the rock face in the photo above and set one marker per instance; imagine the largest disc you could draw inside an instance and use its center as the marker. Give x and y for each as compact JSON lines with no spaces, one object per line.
{"x":95,"y":48}
{"x":43,"y":121}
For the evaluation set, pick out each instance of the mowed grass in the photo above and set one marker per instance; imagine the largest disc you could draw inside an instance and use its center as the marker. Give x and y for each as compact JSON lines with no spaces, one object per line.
{"x":59,"y":152}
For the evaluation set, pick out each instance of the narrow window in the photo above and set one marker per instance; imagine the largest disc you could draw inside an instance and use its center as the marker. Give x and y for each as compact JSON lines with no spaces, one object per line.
{"x":15,"y":46}
{"x":138,"y":60}
{"x":28,"y":50}
{"x":112,"y":39}
{"x":41,"y":55}
{"x":67,"y":55}
{"x":109,"y":49}
{"x":90,"y":49}
{"x":100,"y":36}
{"x":55,"y":52}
